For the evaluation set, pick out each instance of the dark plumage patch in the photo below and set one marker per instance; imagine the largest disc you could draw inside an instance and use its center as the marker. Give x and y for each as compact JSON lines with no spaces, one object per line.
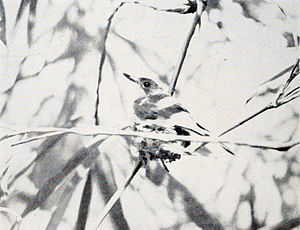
{"x":180,"y":131}
{"x":146,"y":110}
{"x":170,"y":110}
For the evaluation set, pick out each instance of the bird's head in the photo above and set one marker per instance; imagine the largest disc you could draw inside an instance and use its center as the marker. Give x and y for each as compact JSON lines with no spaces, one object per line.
{"x":149,"y":86}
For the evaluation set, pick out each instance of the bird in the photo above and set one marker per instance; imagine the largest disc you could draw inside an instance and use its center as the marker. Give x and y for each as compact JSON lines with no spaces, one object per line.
{"x":158,"y":111}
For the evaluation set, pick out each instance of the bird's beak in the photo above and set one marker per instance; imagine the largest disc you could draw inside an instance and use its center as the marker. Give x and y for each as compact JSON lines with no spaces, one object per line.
{"x":130,"y":78}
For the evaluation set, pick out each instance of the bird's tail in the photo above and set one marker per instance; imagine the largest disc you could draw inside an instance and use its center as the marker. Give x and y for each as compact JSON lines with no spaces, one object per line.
{"x":207,"y":133}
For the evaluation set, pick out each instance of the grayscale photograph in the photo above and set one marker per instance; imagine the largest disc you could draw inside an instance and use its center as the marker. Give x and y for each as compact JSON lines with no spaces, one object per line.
{"x":149,"y":114}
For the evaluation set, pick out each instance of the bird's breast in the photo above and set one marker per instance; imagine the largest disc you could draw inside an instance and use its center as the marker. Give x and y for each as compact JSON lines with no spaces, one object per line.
{"x":144,"y":109}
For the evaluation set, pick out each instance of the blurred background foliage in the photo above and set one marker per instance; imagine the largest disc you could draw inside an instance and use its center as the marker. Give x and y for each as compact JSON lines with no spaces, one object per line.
{"x":49,"y":59}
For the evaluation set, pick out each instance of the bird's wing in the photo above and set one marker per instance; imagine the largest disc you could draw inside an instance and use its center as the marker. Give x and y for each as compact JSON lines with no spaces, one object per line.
{"x":171,"y":114}
{"x":185,"y":121}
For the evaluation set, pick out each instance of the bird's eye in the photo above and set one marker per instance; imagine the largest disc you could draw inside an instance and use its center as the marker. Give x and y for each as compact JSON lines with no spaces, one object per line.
{"x":146,"y":84}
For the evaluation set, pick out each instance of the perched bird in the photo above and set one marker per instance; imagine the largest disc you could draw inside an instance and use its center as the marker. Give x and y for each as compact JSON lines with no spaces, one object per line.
{"x":161,"y":112}
{"x":160,"y":108}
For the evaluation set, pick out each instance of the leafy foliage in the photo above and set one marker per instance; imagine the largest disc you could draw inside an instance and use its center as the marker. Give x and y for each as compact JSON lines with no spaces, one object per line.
{"x":61,"y":51}
{"x":2,"y":23}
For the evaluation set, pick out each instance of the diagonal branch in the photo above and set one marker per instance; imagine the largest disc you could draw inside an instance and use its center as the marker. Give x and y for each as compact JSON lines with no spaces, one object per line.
{"x":118,"y":193}
{"x":245,"y":120}
{"x":281,"y":98}
{"x":279,"y":74}
{"x":294,"y":73}
{"x":196,"y":21}
{"x":293,"y":68}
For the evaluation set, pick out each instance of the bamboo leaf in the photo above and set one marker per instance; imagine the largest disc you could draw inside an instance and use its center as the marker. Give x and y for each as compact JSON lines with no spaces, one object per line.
{"x":2,"y":23}
{"x":287,"y":224}
{"x":50,"y":185}
{"x":31,"y":19}
{"x":43,"y":150}
{"x":22,"y":7}
{"x":63,"y":202}
{"x":85,"y":202}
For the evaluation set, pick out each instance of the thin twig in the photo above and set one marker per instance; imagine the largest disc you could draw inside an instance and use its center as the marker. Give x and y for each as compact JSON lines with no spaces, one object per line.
{"x":156,"y":136}
{"x":102,"y":60}
{"x":118,"y":193}
{"x":118,"y":132}
{"x":283,"y":72}
{"x":294,"y":73}
{"x":14,"y":132}
{"x":268,"y":107}
{"x":40,"y":137}
{"x":279,"y":74}
{"x":196,"y":21}
{"x":278,"y":147}
{"x":245,"y":120}
{"x":281,"y":98}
